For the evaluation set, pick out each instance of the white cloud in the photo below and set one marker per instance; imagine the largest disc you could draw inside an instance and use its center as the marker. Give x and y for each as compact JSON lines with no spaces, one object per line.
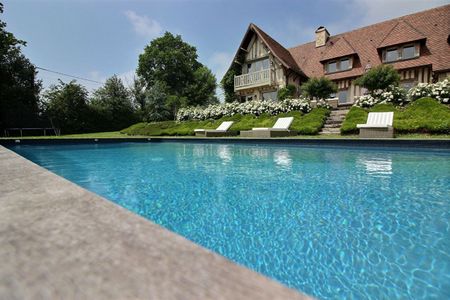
{"x":143,"y":25}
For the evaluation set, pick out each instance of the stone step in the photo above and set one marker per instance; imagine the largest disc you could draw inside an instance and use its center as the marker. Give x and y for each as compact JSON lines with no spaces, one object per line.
{"x":332,"y":126}
{"x":330,"y":131}
{"x":328,"y":121}
{"x":339,"y":112}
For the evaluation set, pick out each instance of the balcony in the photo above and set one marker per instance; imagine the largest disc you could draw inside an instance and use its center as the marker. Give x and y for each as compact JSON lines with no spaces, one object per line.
{"x":254,"y":79}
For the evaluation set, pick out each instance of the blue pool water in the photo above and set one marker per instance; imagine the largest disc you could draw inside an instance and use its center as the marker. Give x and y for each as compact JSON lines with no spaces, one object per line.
{"x":336,"y":223}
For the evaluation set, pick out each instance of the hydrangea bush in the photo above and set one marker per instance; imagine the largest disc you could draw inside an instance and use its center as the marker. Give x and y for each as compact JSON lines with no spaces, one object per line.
{"x":439,"y":91}
{"x":395,"y":95}
{"x":254,"y":107}
{"x":398,"y":96}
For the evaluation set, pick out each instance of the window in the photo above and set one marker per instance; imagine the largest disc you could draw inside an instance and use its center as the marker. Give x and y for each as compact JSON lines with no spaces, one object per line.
{"x":407,"y":85}
{"x":332,"y":67}
{"x":400,"y":53}
{"x":409,"y":52}
{"x":338,"y":65}
{"x":345,"y":64}
{"x":258,"y":65}
{"x":342,"y":96}
{"x":273,"y":95}
{"x":392,"y":55}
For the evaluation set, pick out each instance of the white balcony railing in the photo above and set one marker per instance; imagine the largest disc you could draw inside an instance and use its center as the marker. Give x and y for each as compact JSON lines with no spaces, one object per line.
{"x":253,"y":79}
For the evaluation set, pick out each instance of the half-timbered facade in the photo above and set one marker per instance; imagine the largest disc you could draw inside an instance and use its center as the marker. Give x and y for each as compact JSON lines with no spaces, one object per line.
{"x":417,"y":45}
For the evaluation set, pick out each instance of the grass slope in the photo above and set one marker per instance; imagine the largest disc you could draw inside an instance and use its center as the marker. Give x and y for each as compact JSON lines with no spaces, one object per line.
{"x":425,"y":115}
{"x":310,"y":124}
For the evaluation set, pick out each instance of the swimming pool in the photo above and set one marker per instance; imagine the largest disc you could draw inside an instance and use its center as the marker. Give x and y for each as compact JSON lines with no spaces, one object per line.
{"x":332,"y":222}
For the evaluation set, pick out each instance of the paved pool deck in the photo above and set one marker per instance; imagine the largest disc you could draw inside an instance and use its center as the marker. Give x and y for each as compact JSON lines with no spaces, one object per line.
{"x":60,"y":241}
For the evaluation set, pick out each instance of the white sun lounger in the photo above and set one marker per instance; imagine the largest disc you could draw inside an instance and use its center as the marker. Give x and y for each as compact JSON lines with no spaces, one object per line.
{"x":378,"y":125}
{"x":281,"y":128}
{"x":222,"y":130}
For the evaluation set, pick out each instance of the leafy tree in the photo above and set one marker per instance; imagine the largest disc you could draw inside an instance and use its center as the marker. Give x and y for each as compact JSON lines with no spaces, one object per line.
{"x":379,"y":78}
{"x":318,"y":88}
{"x":287,"y":92}
{"x":202,"y":91}
{"x":113,"y":101}
{"x":172,"y":63}
{"x":137,"y":91}
{"x":227,"y":82}
{"x":155,"y":103}
{"x":19,"y":88}
{"x":170,"y":60}
{"x":66,"y":105}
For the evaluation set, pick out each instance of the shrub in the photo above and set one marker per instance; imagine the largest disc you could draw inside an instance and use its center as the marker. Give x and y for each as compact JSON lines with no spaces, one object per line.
{"x":255,"y":107}
{"x":379,"y":78}
{"x":393,"y":94}
{"x":287,"y":92}
{"x":319,"y":88}
{"x":439,"y":90}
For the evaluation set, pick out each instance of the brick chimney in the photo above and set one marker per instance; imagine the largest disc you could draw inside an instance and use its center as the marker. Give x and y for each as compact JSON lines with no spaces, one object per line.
{"x":322,"y":36}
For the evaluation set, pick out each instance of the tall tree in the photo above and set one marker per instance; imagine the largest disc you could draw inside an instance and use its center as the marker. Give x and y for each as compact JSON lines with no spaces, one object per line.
{"x":170,"y":62}
{"x":137,"y":91}
{"x":114,"y":101}
{"x":19,"y":88}
{"x":155,"y":103}
{"x":202,"y":91}
{"x":66,"y":105}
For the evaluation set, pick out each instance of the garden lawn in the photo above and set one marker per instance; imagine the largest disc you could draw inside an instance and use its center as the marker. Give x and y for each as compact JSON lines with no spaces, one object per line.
{"x":424,"y":115}
{"x":307,"y":124}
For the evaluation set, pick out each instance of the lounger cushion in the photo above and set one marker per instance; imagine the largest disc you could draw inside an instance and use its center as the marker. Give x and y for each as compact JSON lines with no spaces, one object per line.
{"x":372,"y":126}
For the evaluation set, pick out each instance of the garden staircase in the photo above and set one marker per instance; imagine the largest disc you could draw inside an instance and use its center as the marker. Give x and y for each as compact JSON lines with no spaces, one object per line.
{"x":334,"y":122}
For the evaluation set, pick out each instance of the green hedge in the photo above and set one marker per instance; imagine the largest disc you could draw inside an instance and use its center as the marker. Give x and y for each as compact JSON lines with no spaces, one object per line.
{"x":308,"y":124}
{"x":425,"y":115}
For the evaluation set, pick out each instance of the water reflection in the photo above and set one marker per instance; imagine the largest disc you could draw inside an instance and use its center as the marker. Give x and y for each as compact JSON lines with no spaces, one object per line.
{"x":282,"y":158}
{"x":224,"y":152}
{"x":376,"y":165}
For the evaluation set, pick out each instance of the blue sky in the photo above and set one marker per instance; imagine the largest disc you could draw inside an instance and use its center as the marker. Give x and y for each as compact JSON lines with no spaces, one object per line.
{"x":98,"y":38}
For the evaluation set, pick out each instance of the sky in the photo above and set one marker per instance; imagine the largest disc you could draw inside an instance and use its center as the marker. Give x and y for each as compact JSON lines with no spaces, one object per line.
{"x":96,"y":39}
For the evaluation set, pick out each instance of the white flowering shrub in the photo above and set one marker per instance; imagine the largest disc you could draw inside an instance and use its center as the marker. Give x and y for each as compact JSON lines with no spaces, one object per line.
{"x":322,"y":103}
{"x":439,"y":91}
{"x":393,"y":94}
{"x":254,"y":107}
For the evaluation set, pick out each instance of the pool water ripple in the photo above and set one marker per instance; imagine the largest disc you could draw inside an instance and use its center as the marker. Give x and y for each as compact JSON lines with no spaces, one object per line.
{"x":332,"y":222}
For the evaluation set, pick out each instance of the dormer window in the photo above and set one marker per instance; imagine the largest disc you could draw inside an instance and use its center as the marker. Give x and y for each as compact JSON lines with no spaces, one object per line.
{"x":401,"y":53}
{"x":340,"y":65}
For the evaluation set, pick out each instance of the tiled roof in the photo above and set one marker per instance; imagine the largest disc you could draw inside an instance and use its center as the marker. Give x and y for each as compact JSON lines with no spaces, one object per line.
{"x":401,"y":33}
{"x":338,"y":47}
{"x":277,"y":50}
{"x":433,"y":24}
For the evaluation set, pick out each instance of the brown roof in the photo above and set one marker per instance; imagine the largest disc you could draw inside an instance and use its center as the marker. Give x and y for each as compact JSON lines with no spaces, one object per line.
{"x":275,"y":48}
{"x":401,"y":33}
{"x":433,"y":24}
{"x":338,"y":47}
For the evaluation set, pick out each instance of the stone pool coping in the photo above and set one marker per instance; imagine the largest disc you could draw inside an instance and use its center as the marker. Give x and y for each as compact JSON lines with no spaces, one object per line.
{"x":59,"y":240}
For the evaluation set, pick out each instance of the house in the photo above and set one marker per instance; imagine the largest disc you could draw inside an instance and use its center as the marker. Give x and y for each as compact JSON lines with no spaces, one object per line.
{"x":417,"y":45}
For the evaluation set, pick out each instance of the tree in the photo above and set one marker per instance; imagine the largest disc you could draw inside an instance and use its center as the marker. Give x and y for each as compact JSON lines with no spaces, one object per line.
{"x":155,"y":103}
{"x":318,"y":88}
{"x":66,"y":105}
{"x":170,"y":62}
{"x":113,"y":101}
{"x":19,"y":89}
{"x":202,"y":91}
{"x":227,"y":82}
{"x":379,"y":78}
{"x":287,"y":92}
{"x":137,"y":91}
